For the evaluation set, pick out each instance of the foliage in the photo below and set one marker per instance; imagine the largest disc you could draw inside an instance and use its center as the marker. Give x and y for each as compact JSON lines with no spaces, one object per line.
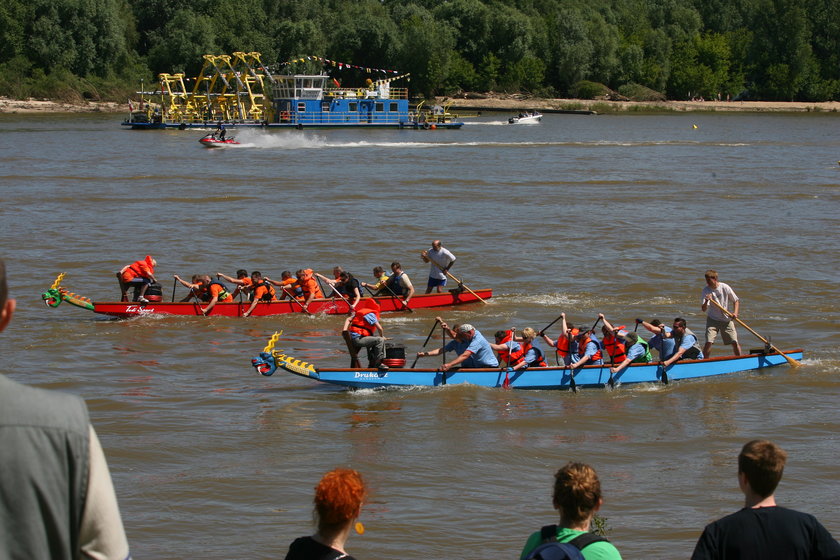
{"x":637,"y":92}
{"x":776,"y":49}
{"x":588,"y":90}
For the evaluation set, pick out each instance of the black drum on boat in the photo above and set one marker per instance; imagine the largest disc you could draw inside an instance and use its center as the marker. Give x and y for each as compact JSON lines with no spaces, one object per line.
{"x":394,"y":355}
{"x":154,"y":292}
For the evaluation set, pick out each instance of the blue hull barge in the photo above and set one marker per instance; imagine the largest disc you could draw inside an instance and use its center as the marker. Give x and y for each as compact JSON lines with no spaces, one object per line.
{"x":557,"y":378}
{"x":239,"y":91}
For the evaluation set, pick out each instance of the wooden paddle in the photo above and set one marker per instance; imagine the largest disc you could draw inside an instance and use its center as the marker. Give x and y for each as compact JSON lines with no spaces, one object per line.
{"x":506,"y":382}
{"x":387,"y":287}
{"x":294,"y":299}
{"x":431,"y":332}
{"x":442,"y":269}
{"x":572,"y":383}
{"x":790,"y":360}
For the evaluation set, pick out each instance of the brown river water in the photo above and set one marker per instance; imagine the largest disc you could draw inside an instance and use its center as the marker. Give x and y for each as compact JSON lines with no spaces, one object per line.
{"x":617,"y":214}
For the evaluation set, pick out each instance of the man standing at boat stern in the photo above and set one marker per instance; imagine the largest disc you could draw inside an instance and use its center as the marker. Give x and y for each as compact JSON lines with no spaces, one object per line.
{"x":441,"y":260}
{"x":716,"y":320}
{"x":57,"y":501}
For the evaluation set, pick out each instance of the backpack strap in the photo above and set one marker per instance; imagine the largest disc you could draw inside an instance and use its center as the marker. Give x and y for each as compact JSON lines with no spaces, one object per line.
{"x":584,"y":540}
{"x":548,"y":533}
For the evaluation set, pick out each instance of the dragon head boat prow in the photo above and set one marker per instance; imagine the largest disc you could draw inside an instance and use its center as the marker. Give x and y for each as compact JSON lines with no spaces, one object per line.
{"x":56,"y":294}
{"x":270,"y":359}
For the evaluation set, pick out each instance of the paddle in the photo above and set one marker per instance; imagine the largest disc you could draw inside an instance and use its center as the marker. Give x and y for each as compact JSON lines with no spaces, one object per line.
{"x":387,"y":287}
{"x":790,"y":360}
{"x":548,"y":326}
{"x":443,"y":353}
{"x":506,"y":383}
{"x":431,"y":332}
{"x":442,"y":269}
{"x":294,"y":299}
{"x":174,"y":285}
{"x":572,"y":383}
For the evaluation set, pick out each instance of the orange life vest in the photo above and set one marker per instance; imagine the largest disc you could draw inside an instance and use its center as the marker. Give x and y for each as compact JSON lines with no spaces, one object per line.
{"x":510,"y":358}
{"x":309,"y":285}
{"x":359,"y":325}
{"x":582,"y":348}
{"x":539,"y":362}
{"x":138,"y":269}
{"x":615,"y":348}
{"x":563,"y":343}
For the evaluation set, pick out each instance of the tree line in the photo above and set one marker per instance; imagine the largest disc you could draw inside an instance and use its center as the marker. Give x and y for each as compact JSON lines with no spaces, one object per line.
{"x":782,"y":50}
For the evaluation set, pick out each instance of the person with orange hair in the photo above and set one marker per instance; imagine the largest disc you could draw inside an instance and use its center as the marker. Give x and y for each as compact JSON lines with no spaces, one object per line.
{"x":577,"y":496}
{"x":338,"y":501}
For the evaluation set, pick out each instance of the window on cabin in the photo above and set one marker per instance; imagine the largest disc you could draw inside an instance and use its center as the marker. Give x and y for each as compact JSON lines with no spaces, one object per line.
{"x":394,"y":107}
{"x":325,"y":106}
{"x":380,"y":107}
{"x":301,"y":107}
{"x":353,"y":107}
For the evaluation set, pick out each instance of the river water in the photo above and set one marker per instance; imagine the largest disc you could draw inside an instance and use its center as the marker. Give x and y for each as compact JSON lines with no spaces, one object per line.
{"x":617,"y":214}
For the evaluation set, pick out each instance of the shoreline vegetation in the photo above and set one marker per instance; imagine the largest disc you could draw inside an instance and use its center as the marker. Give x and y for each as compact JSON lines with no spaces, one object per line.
{"x":490,"y":103}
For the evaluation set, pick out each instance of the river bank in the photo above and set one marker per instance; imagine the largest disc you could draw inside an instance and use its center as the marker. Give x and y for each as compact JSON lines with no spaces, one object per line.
{"x":496,"y":102}
{"x":517,"y":102}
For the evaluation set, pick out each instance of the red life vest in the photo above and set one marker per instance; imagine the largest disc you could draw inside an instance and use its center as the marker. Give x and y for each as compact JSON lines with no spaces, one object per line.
{"x":358,"y":324}
{"x":582,"y":348}
{"x":510,"y":358}
{"x":615,"y":348}
{"x":539,"y":362}
{"x":563,"y":343}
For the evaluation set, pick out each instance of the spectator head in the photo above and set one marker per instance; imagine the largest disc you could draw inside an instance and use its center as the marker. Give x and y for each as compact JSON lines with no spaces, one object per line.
{"x":762,"y":463}
{"x":338,"y":499}
{"x":577,"y":492}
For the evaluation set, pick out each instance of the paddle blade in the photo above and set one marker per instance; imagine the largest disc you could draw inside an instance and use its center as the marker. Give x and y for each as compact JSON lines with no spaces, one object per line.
{"x":664,"y":376}
{"x":506,"y":383}
{"x":790,"y":360}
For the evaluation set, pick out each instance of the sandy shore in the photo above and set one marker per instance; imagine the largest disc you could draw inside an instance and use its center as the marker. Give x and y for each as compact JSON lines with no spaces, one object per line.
{"x":513,"y":103}
{"x":518,"y":103}
{"x":45,"y":106}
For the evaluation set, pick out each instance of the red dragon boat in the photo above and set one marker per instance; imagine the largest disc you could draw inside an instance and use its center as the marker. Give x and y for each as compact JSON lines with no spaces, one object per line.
{"x":337,"y":306}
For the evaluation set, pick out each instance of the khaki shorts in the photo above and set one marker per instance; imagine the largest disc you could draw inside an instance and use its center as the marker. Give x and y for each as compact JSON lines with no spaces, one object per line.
{"x":726,"y":329}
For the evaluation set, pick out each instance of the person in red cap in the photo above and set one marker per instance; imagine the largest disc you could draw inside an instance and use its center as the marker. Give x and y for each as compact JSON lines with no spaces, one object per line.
{"x":138,"y":274}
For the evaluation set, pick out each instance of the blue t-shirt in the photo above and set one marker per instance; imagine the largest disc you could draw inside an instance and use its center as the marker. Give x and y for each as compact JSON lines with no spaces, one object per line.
{"x":635,"y":351}
{"x":590,"y":350}
{"x":665,"y":351}
{"x":482,"y":355}
{"x":688,"y":341}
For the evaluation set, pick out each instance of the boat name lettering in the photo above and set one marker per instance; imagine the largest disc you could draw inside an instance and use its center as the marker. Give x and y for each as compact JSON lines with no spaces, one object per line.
{"x":370,"y":375}
{"x":138,"y":309}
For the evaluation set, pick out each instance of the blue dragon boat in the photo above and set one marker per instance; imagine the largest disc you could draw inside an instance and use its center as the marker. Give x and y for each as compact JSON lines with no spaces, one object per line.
{"x":557,"y":378}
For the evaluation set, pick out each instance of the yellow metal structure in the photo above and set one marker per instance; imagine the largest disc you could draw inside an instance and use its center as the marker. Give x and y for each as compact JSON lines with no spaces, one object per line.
{"x":228,"y":88}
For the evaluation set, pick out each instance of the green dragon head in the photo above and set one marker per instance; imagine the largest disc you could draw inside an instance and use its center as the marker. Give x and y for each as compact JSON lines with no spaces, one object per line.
{"x":56,"y":294}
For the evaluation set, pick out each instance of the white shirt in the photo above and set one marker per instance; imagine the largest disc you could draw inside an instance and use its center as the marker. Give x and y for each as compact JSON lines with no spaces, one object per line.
{"x":724,"y":295}
{"x":443,"y":257}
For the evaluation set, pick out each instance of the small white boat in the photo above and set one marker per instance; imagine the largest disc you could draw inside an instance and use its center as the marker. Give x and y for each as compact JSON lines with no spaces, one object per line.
{"x":532,"y":117}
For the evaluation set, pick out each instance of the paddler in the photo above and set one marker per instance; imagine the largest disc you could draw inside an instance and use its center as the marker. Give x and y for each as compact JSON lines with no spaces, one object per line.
{"x":262,"y":291}
{"x":589,"y":350}
{"x":287,"y":284}
{"x":243,"y":281}
{"x":362,"y":326}
{"x":399,"y":284}
{"x":687,"y":345}
{"x":377,"y":289}
{"x":613,"y":341}
{"x":471,"y":348}
{"x":638,"y":352}
{"x":565,"y":345}
{"x":205,"y":289}
{"x":309,"y":287}
{"x":138,"y":274}
{"x":518,"y":352}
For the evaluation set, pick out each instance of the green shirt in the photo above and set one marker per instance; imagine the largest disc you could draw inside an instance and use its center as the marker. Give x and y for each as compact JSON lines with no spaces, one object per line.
{"x":596,"y":551}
